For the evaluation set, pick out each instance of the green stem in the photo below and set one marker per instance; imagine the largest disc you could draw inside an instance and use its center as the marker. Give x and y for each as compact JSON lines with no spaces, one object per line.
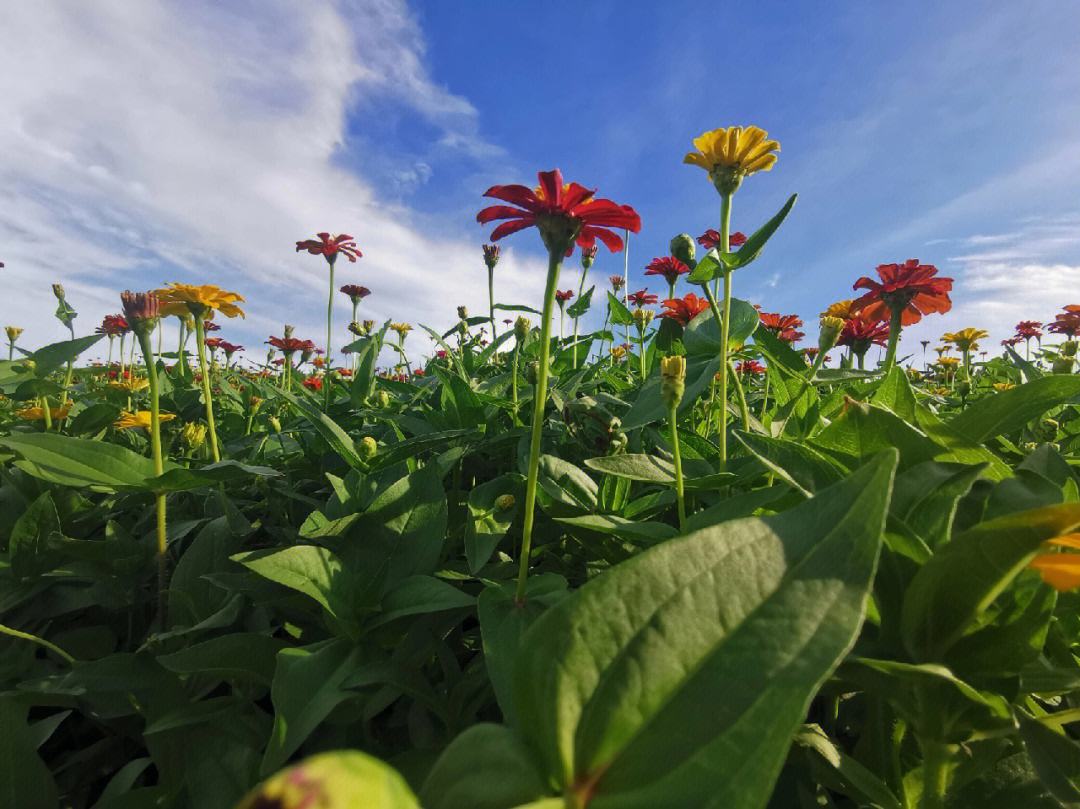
{"x":937,"y":768}
{"x":46,"y":413}
{"x":641,"y":352}
{"x":744,"y":409}
{"x":555,"y":257}
{"x":200,"y":347}
{"x":711,"y":298}
{"x":52,"y":647}
{"x":581,"y":289}
{"x":680,"y":496}
{"x":514,"y":380}
{"x":159,"y":468}
{"x":329,"y":325}
{"x":491,"y":301}
{"x":894,"y":338}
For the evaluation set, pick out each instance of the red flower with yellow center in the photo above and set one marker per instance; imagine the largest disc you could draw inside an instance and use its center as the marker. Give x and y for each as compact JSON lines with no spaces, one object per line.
{"x":911,"y":288}
{"x":783,"y":326}
{"x":667,"y":266}
{"x":683,"y":310}
{"x":329,"y":247}
{"x":641,"y":298}
{"x":565,"y":214}
{"x":711,"y":238}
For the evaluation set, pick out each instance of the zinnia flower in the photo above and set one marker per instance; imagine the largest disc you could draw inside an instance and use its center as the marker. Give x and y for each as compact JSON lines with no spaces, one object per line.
{"x":401,"y":328}
{"x":565,"y":214}
{"x":13,"y":333}
{"x":38,"y":413}
{"x":563,"y":295}
{"x":641,"y":298}
{"x":355,"y":292}
{"x":667,"y":266}
{"x":1067,"y":324}
{"x":859,"y":334}
{"x":711,"y":238}
{"x":683,"y":310}
{"x":139,"y":419}
{"x":616,"y":282}
{"x":329,"y":247}
{"x":313,"y":383}
{"x":200,"y":301}
{"x":965,"y":339}
{"x":783,"y":326}
{"x":750,"y":368}
{"x":1060,"y":570}
{"x":130,"y":384}
{"x":491,"y":255}
{"x":732,"y":153}
{"x":910,"y":288}
{"x":140,"y":307}
{"x":844,"y":309}
{"x":113,"y":326}
{"x":289,"y":345}
{"x":1026,"y":329}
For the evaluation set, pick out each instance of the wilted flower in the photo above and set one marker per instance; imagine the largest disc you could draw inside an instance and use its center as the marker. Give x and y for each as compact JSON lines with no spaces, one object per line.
{"x":565,"y":214}
{"x":616,"y":282}
{"x":329,"y":247}
{"x":562,"y":296}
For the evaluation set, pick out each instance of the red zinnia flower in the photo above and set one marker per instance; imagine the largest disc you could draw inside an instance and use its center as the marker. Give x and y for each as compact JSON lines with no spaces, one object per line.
{"x":113,"y":326}
{"x":783,"y":326}
{"x":910,"y":287}
{"x":1027,"y":329}
{"x":328,"y":247}
{"x":209,"y":325}
{"x":214,"y":343}
{"x":683,"y":310}
{"x":418,"y":372}
{"x":616,"y":281}
{"x":288,"y":345}
{"x":355,"y":292}
{"x":860,"y":332}
{"x":668,"y":266}
{"x":711,"y":238}
{"x":641,"y":298}
{"x":230,"y":348}
{"x":1013,"y":341}
{"x":565,"y":213}
{"x":313,"y":383}
{"x":750,"y":367}
{"x":1067,"y":324}
{"x":562,"y":296}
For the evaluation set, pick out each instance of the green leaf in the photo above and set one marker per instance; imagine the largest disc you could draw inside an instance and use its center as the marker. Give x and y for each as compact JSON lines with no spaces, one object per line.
{"x":29,"y":543}
{"x":487,"y":524}
{"x":56,"y":355}
{"x":344,"y":779}
{"x":79,"y":461}
{"x":620,"y":315}
{"x":1056,"y":758}
{"x":247,"y":656}
{"x":925,"y":497}
{"x":307,"y":687}
{"x":965,"y":576}
{"x":309,"y":569}
{"x":1009,"y":410}
{"x":635,"y":466}
{"x":25,"y":781}
{"x":702,"y":335}
{"x":864,"y":430}
{"x":337,"y":438}
{"x":715,"y":264}
{"x":181,"y":479}
{"x":579,"y":307}
{"x":796,"y":463}
{"x":635,"y":687}
{"x":485,"y":767}
{"x":856,"y":780}
{"x":419,"y":595}
{"x":566,"y":483}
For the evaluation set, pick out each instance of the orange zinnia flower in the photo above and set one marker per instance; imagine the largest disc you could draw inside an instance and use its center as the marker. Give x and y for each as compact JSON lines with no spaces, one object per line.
{"x":683,"y":310}
{"x":911,"y":288}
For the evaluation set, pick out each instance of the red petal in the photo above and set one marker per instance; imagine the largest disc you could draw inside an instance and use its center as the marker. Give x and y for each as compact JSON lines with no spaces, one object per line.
{"x":506,"y":228}
{"x":611,"y":241}
{"x":551,"y":183}
{"x":490,"y":214}
{"x":514,"y":194}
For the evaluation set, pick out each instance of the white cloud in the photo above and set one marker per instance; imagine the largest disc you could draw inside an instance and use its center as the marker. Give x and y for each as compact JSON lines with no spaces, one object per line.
{"x":154,"y":141}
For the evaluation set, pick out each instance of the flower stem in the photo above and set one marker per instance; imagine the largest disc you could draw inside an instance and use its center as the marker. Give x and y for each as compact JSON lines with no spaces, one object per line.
{"x":159,"y":468}
{"x":937,"y":768}
{"x":539,"y":404}
{"x":329,"y":326}
{"x":680,"y":496}
{"x":641,"y":352}
{"x":52,"y":647}
{"x":711,"y":298}
{"x":744,"y":409}
{"x":514,"y":380}
{"x":581,"y":289}
{"x":200,"y":346}
{"x":491,"y":301}
{"x":46,"y":412}
{"x":894,"y":338}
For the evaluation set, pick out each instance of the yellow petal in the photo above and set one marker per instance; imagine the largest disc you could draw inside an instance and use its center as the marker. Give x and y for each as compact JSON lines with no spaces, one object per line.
{"x":1060,"y":570}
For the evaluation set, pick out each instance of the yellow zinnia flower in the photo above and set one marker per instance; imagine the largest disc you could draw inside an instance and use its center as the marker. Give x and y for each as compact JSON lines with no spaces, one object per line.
{"x":731,"y":153}
{"x":965,"y":339}
{"x":200,"y":301}
{"x":949,"y":362}
{"x":13,"y":333}
{"x":139,"y":419}
{"x":841,"y":309}
{"x":1003,"y":386}
{"x":130,"y":385}
{"x":1060,"y":570}
{"x":38,"y":413}
{"x":401,"y":328}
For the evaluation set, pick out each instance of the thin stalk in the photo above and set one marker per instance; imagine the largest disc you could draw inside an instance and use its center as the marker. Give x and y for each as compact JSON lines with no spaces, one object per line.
{"x":329,"y":326}
{"x":159,"y":468}
{"x":46,"y":412}
{"x":200,"y":347}
{"x":52,"y":647}
{"x":539,"y":404}
{"x":121,"y":374}
{"x":641,"y":352}
{"x":894,"y":338}
{"x":711,"y":298}
{"x":680,"y":495}
{"x":107,"y":364}
{"x":581,"y":289}
{"x":744,"y":409}
{"x":491,"y":301}
{"x":70,"y":368}
{"x":937,"y":769}
{"x":514,"y":380}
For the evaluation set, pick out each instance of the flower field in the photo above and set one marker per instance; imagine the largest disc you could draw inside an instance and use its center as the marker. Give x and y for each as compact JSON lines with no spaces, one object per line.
{"x":705,"y":555}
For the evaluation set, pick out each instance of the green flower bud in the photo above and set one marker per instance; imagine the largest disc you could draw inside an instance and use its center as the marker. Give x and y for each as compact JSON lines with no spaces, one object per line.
{"x":275,"y":424}
{"x":462,"y":312}
{"x":672,"y":380}
{"x":643,"y":317}
{"x":367,"y":448}
{"x":193,"y":435}
{"x":683,"y":248}
{"x":829,"y":333}
{"x":382,"y":399}
{"x":521,"y":328}
{"x":532,"y":371}
{"x":504,"y":502}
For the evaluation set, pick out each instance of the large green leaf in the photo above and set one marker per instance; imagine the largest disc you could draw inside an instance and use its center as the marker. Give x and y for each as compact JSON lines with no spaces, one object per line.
{"x":1056,"y":758}
{"x":702,"y":334}
{"x":579,"y":307}
{"x":620,"y":315}
{"x":1010,"y":410}
{"x":493,"y":506}
{"x":637,"y":690}
{"x":314,"y":571}
{"x":325,"y":426}
{"x":25,"y":781}
{"x":79,"y":461}
{"x":965,"y":576}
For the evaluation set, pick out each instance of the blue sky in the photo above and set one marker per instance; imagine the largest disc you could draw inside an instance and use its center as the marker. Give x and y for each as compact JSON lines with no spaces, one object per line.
{"x":195,"y":141}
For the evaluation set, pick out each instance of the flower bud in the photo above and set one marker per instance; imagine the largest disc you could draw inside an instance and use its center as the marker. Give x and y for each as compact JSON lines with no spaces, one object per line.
{"x":1068,"y":348}
{"x":588,"y":256}
{"x":682,"y":247}
{"x":275,"y":424}
{"x":521,"y":328}
{"x":504,"y":502}
{"x":491,"y":255}
{"x":255,"y":402}
{"x":367,"y":448}
{"x":672,"y":380}
{"x":382,"y":399}
{"x":829,"y":333}
{"x":193,"y":435}
{"x":140,"y":310}
{"x":13,"y":333}
{"x":58,"y":291}
{"x":1062,"y":365}
{"x":356,"y":329}
{"x":532,"y":372}
{"x":462,"y":312}
{"x":289,"y":330}
{"x":368,"y":326}
{"x":963,"y":388}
